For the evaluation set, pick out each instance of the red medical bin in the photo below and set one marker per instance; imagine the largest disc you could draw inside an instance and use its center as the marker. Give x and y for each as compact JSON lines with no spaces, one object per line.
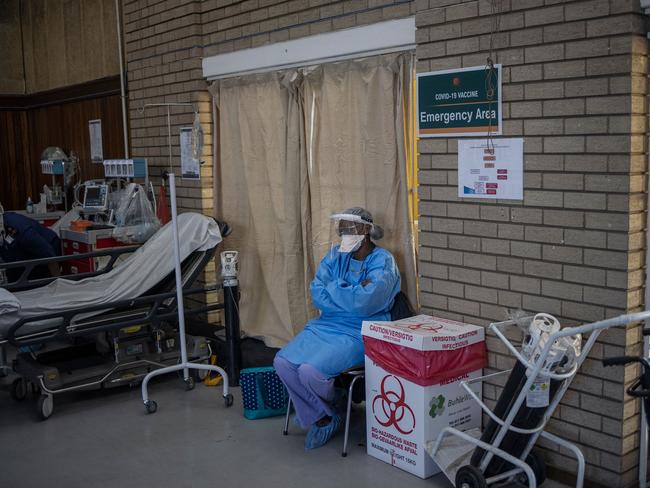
{"x":80,"y":242}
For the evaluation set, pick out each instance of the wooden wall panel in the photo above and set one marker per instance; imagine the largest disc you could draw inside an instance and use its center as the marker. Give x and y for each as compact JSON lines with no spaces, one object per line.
{"x":12,"y":78}
{"x":43,"y":121}
{"x":16,"y":177}
{"x":67,"y":42}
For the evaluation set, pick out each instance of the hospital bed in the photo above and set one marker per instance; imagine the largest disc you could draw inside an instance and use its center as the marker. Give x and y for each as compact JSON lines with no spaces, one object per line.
{"x":123,"y":324}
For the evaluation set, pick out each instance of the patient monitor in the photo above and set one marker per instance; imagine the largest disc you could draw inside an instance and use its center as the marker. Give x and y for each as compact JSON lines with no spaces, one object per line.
{"x":95,"y":198}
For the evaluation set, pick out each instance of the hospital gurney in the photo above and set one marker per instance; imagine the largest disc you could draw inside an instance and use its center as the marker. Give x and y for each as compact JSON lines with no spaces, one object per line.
{"x":503,"y":452}
{"x":139,"y":327}
{"x":26,"y":281}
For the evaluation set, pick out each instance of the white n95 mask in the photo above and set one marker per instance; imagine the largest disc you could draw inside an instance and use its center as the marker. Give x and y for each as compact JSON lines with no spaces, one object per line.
{"x":350,"y":243}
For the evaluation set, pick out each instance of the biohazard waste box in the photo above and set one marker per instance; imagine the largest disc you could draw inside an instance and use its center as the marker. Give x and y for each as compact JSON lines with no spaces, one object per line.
{"x":413,"y":372}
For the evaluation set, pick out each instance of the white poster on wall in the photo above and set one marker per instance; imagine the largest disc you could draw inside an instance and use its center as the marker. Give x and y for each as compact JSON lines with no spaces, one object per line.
{"x":96,"y":148}
{"x":493,"y":169}
{"x":190,"y":167}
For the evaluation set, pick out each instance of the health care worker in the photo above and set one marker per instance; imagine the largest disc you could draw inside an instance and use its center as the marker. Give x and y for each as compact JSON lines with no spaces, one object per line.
{"x":25,"y":239}
{"x":355,"y":281}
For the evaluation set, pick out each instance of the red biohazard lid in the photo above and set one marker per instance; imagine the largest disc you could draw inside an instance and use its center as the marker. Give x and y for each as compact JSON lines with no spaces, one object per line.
{"x":425,"y":333}
{"x":425,"y":350}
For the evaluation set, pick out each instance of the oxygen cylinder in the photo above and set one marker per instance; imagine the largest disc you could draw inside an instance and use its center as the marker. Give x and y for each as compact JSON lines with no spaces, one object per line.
{"x":560,"y":358}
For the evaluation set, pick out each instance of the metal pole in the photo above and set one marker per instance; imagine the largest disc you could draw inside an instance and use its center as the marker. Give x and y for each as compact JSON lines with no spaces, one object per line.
{"x":122,"y":81}
{"x":233,"y":335}
{"x":643,"y":426}
{"x":169,"y":138}
{"x":178,"y":273}
{"x":184,"y":365}
{"x":643,"y":441}
{"x":169,"y":125}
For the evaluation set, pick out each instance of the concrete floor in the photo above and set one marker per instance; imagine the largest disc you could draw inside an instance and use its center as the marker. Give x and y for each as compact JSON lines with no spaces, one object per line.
{"x":105,"y":439}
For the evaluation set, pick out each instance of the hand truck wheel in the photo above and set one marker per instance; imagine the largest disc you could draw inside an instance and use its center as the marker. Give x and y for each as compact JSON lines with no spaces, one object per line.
{"x":470,"y":477}
{"x":537,"y":464}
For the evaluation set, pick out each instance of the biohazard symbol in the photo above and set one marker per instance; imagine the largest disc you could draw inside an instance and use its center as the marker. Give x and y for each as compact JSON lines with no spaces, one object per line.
{"x":428,"y":327}
{"x":393,"y":410}
{"x":437,"y":405}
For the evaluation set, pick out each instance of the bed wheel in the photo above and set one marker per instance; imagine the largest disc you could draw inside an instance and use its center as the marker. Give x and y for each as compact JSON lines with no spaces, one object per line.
{"x":18,"y":389}
{"x":228,"y":400}
{"x":151,"y":406}
{"x":470,"y":477}
{"x":45,"y":406}
{"x":189,"y":383}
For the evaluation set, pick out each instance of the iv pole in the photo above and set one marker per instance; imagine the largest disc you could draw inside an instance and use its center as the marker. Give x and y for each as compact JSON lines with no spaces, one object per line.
{"x":169,"y":125}
{"x":184,"y":365}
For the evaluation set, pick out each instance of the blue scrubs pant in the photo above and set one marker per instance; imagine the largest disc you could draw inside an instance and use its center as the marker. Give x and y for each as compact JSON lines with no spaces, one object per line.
{"x":310,"y":390}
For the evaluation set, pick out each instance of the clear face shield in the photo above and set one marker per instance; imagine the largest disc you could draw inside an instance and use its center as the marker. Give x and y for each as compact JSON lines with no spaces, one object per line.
{"x":348,"y":232}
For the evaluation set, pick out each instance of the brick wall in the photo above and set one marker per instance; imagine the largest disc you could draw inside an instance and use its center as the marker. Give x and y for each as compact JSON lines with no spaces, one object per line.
{"x":166,"y":40}
{"x":574,"y":86}
{"x":230,"y":26}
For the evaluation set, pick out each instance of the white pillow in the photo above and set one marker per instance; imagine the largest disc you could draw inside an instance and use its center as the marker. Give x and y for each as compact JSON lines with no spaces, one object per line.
{"x":8,"y":302}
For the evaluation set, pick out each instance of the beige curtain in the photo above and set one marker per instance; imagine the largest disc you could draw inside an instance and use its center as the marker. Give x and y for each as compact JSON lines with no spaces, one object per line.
{"x":356,"y":150}
{"x":262,"y":193}
{"x":296,"y":147}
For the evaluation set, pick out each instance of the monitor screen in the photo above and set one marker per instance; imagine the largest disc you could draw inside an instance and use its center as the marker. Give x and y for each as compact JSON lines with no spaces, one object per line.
{"x":95,"y":196}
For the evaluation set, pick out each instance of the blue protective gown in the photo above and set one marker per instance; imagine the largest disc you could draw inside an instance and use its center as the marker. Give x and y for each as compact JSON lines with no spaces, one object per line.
{"x":32,"y":240}
{"x":332,"y":342}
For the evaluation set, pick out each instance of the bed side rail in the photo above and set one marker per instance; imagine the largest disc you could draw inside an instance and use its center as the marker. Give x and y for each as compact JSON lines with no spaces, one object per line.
{"x":24,"y":283}
{"x":152,"y":309}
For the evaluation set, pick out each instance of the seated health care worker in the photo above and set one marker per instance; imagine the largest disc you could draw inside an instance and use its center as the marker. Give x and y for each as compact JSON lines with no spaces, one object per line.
{"x":355,"y":281}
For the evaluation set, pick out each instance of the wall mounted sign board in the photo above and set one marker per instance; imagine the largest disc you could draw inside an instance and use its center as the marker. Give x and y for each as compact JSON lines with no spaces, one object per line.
{"x":458,"y":102}
{"x":96,"y":148}
{"x":491,"y":170}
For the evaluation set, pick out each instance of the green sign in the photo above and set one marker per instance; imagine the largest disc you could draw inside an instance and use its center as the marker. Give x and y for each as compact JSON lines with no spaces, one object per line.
{"x":459,"y":102}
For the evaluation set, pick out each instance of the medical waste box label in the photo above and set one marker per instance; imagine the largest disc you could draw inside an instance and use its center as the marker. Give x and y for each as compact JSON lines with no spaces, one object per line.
{"x":425,"y":333}
{"x":405,"y":409}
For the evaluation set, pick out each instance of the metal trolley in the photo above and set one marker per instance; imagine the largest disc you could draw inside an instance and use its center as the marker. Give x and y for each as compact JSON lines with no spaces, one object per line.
{"x":453,"y":448}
